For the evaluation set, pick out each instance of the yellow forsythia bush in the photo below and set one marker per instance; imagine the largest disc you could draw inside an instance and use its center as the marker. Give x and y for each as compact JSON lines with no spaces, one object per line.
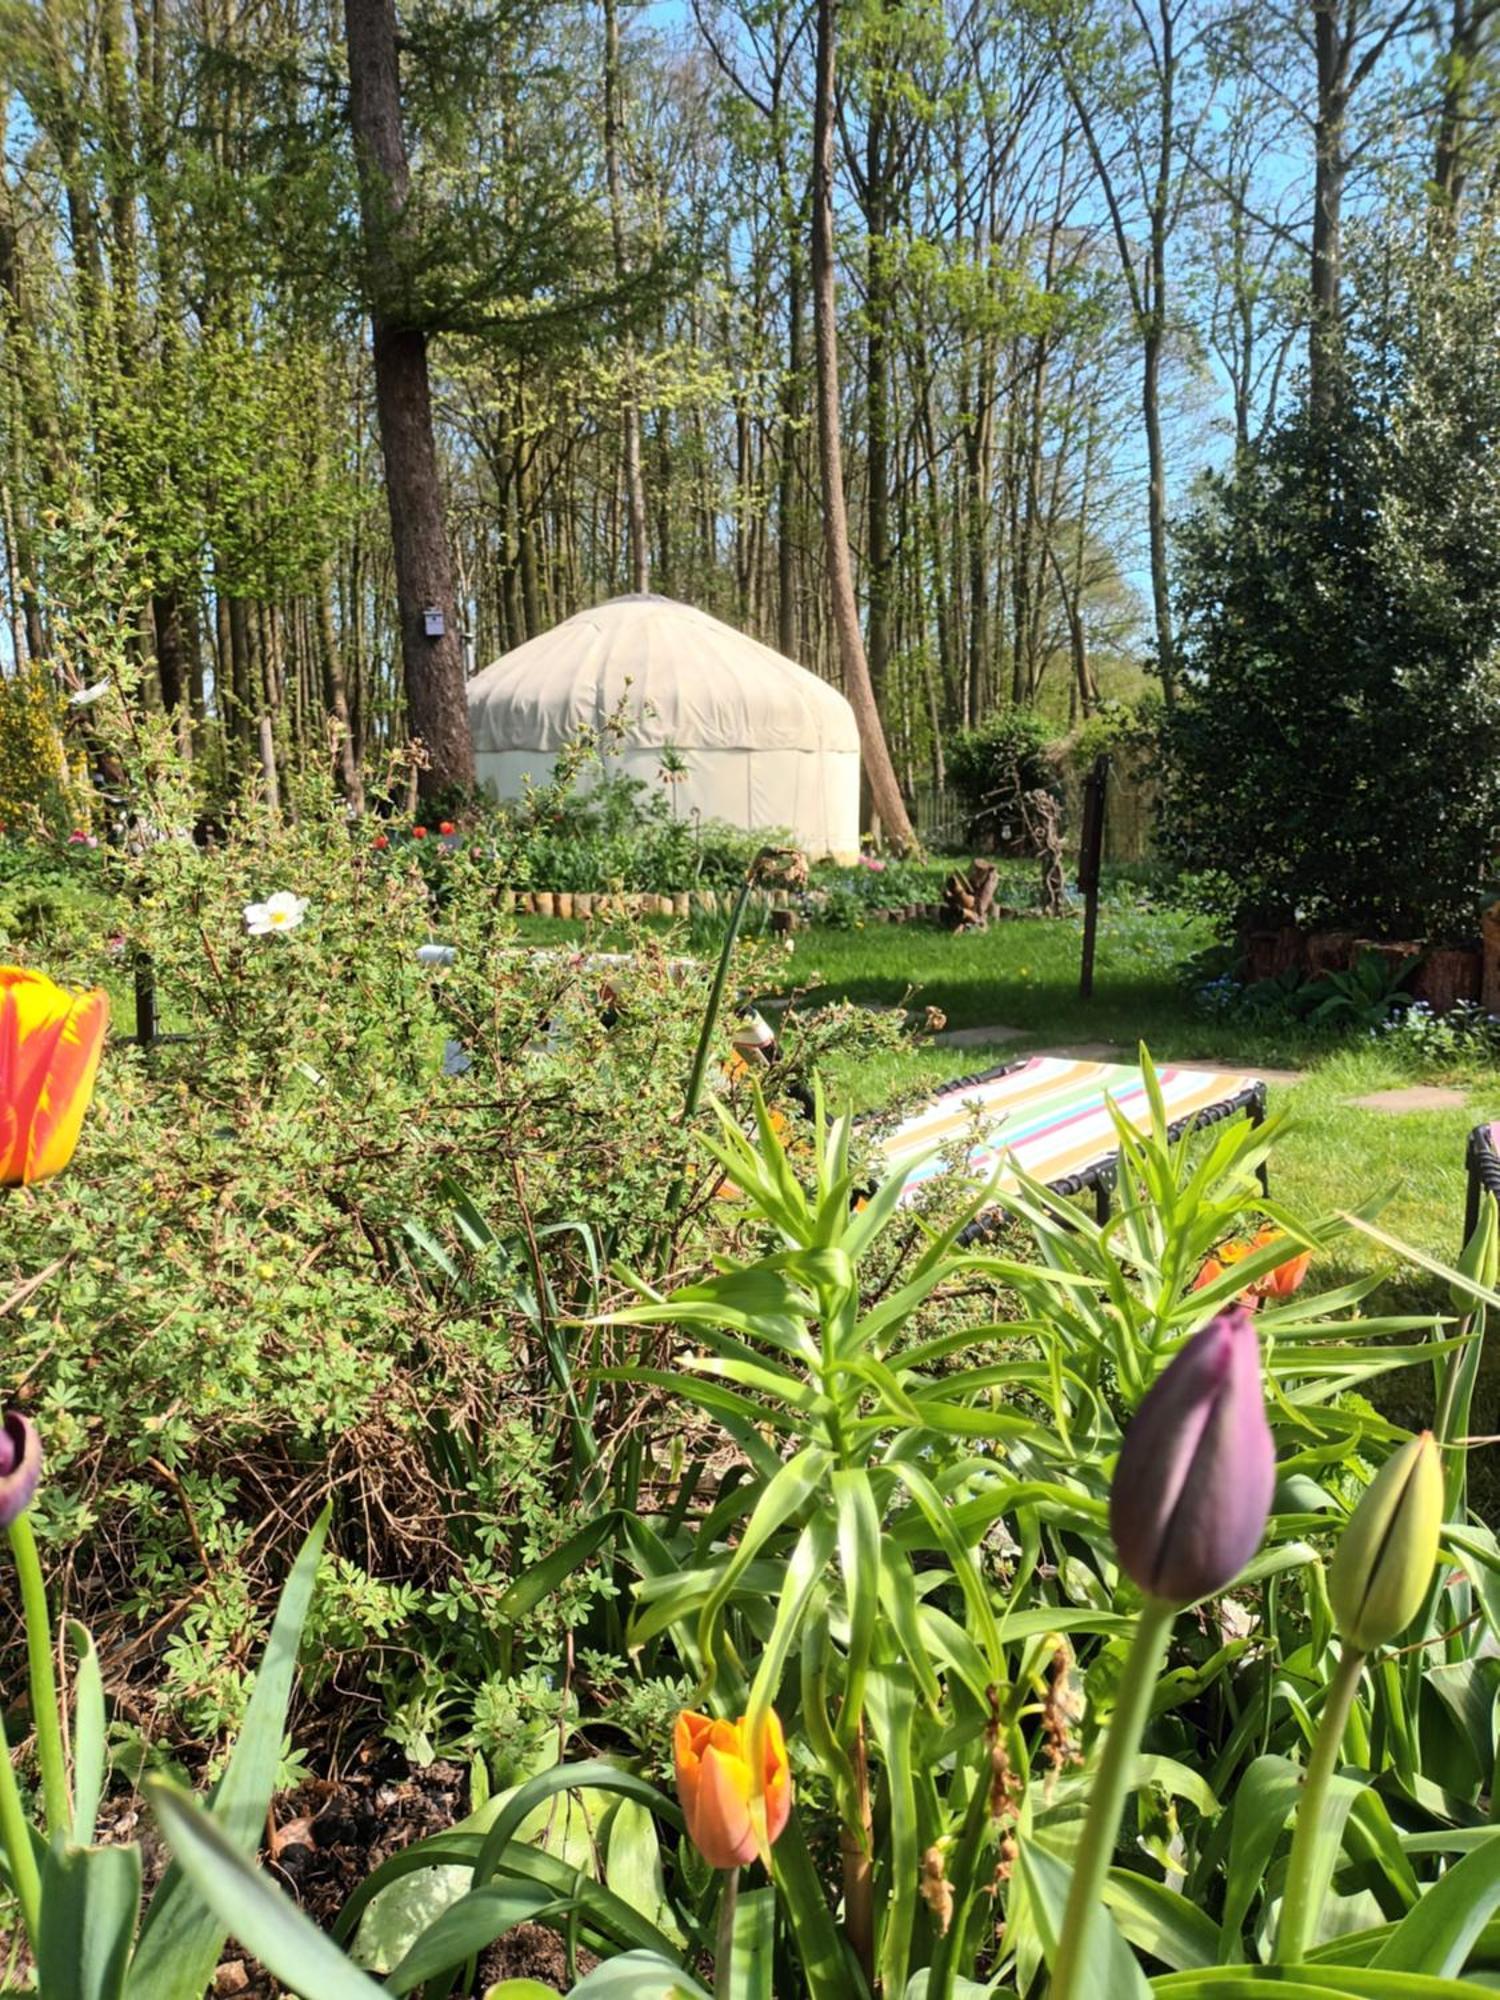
{"x":36,"y":779}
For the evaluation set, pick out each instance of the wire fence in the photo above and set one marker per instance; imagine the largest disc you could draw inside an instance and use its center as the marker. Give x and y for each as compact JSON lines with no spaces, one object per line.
{"x":941,"y":818}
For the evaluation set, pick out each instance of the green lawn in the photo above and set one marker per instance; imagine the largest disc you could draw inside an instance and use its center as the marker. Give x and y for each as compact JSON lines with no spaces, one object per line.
{"x":1023,"y":974}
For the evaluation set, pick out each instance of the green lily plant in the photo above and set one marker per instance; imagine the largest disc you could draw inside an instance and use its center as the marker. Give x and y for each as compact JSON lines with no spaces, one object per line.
{"x":80,"y":1903}
{"x":908,"y":1550}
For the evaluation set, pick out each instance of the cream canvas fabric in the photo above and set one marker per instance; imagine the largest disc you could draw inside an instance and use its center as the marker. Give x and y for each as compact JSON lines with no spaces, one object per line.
{"x":766,"y":743}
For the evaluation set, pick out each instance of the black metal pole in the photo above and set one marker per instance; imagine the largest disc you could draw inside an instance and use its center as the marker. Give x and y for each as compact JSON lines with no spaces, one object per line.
{"x":145,"y":1001}
{"x":1090,"y":855}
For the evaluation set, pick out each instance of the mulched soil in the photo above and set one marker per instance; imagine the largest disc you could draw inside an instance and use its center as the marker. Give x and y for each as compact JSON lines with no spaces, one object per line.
{"x":327,"y":1835}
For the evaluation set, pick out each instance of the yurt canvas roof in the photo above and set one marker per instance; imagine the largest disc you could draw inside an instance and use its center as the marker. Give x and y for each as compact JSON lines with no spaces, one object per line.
{"x":679,"y":676}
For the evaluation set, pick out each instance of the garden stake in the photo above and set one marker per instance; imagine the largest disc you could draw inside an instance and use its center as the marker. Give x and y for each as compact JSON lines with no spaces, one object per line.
{"x":1148,"y":1649}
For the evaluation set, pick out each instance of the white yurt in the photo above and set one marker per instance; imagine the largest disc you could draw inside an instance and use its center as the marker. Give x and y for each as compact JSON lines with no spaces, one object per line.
{"x":765,"y":743}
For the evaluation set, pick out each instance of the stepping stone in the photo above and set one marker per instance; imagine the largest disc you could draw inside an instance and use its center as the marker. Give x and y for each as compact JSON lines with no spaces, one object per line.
{"x":976,"y":1038}
{"x":1414,"y":1097}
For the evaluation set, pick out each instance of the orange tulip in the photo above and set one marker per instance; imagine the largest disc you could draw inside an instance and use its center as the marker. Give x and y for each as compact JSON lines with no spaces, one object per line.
{"x":1280,"y":1284}
{"x":1286,"y":1278}
{"x":50,"y":1044}
{"x":716,"y":1784}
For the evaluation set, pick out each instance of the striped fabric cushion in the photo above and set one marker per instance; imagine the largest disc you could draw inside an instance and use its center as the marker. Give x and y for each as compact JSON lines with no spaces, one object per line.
{"x":1049,"y":1117}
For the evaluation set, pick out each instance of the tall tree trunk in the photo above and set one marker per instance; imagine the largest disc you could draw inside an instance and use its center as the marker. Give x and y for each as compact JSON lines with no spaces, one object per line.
{"x":878,"y":311}
{"x":786,"y":473}
{"x":879,"y":771}
{"x":1330,"y":171}
{"x":635,"y":483}
{"x":433,"y":665}
{"x":336,"y":697}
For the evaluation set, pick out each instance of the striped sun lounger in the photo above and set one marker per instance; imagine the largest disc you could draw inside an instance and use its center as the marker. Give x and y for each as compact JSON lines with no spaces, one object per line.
{"x":1482,"y":1164}
{"x":1047,"y":1115}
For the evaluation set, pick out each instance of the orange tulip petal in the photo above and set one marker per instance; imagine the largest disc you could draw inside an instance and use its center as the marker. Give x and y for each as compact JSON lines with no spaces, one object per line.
{"x":50,"y":1044}
{"x":724,"y":1835}
{"x":68,"y":1088}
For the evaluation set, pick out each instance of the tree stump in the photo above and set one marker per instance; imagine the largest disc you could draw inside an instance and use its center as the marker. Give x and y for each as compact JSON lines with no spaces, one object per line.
{"x":968,"y":899}
{"x":1447,"y":975}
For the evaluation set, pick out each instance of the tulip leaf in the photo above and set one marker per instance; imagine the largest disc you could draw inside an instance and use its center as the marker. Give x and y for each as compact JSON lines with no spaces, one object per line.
{"x":1110,"y":1966}
{"x":592,"y":1775}
{"x":248,"y":1905}
{"x":751,"y":1946}
{"x":1263,"y":1803}
{"x":892,"y":1707}
{"x":809,"y":1560}
{"x":828,"y":1969}
{"x":1437,"y":1934}
{"x":859,"y":1566}
{"x":781,"y":1500}
{"x":1159,"y":1921}
{"x":91,"y":1897}
{"x":1304,"y":1982}
{"x":89,"y":1728}
{"x":181,"y":1938}
{"x":633,"y":1867}
{"x":965,"y":1570}
{"x":638,"y":1975}
{"x":543,"y":1577}
{"x":468,"y":1927}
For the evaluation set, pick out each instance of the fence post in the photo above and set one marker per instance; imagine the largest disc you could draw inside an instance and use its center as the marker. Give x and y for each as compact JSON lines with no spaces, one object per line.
{"x":145,"y":1001}
{"x":1090,"y":854}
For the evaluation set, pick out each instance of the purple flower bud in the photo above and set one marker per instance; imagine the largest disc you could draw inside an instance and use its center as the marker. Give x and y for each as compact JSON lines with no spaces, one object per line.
{"x":20,"y":1464}
{"x":1194,"y":1479}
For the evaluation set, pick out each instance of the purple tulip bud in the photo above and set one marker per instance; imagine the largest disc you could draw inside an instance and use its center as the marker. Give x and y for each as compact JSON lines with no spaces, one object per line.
{"x":20,"y":1464}
{"x":1194,"y":1479}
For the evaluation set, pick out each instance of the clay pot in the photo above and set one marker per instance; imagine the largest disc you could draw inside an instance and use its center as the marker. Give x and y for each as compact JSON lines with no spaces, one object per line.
{"x":544,"y":902}
{"x":562,"y":903}
{"x":583,"y":904}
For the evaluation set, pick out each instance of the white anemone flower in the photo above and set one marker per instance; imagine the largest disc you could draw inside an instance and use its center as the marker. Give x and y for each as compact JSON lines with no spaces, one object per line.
{"x":281,"y":912}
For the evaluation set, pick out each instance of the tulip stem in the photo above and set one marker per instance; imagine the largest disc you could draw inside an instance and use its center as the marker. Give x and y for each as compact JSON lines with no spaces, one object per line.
{"x":1310,"y":1868}
{"x":1111,"y":1786}
{"x":15,"y":1837}
{"x":724,"y":1937}
{"x":44,"y":1709}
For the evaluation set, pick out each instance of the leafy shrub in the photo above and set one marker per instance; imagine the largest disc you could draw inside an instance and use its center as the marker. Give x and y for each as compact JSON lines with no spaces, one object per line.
{"x":1333,"y":750}
{"x":300,"y":1253}
{"x":991,"y":765}
{"x":1366,"y":997}
{"x":1465,"y":1037}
